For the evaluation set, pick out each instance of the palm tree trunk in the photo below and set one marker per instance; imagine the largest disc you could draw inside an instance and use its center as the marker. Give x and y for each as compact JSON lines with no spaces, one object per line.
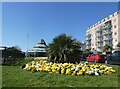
{"x":55,"y":59}
{"x":60,"y":59}
{"x":65,"y":57}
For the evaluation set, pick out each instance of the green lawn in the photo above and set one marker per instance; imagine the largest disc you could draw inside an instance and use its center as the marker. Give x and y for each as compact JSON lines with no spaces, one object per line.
{"x":14,"y":76}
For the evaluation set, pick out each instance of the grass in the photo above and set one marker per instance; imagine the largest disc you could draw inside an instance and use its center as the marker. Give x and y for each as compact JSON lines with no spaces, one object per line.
{"x":14,"y":76}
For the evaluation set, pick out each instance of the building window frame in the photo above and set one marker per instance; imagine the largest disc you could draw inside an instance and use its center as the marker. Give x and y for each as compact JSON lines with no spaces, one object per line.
{"x":115,"y":33}
{"x":115,"y":26}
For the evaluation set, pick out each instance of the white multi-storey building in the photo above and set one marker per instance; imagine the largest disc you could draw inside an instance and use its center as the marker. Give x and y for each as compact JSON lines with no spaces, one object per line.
{"x":106,"y":31}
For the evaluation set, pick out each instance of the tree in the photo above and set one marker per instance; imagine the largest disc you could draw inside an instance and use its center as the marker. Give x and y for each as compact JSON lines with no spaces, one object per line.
{"x":10,"y":54}
{"x":107,"y":48}
{"x":118,"y":45}
{"x":86,"y":52}
{"x":64,"y":49}
{"x":13,"y":52}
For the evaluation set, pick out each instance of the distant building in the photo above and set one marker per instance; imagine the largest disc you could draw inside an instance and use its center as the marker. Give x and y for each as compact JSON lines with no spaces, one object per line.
{"x":83,"y":46}
{"x":2,"y":47}
{"x":39,"y":50}
{"x":106,"y":31}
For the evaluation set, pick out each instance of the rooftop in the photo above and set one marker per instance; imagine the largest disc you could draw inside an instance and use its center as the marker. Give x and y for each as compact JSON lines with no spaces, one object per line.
{"x":111,"y":15}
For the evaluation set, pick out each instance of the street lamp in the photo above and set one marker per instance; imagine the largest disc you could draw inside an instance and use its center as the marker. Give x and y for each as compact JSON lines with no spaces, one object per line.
{"x":27,"y":37}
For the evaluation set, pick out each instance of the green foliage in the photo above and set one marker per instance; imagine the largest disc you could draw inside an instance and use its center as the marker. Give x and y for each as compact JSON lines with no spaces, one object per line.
{"x":107,"y":48}
{"x":86,"y":52}
{"x":64,"y":49}
{"x":13,"y":52}
{"x":118,"y":45}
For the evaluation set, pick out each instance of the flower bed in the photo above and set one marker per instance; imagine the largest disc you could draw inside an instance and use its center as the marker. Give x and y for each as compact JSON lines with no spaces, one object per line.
{"x":69,"y":68}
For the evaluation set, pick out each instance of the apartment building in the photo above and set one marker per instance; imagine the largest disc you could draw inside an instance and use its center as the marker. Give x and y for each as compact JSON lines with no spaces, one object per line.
{"x":106,"y":31}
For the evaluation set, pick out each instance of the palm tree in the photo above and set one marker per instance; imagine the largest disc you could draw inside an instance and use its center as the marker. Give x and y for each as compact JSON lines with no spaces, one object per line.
{"x":107,"y":48}
{"x":64,"y":49}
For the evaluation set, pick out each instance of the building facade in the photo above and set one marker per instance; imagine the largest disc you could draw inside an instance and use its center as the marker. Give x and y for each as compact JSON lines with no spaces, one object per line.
{"x":106,"y":31}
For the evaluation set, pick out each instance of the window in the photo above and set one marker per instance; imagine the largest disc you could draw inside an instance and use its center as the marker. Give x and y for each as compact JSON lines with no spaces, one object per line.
{"x":109,"y":29}
{"x":110,"y":42}
{"x":115,"y":33}
{"x":110,"y":35}
{"x":114,"y":20}
{"x":116,"y":40}
{"x":92,"y":54}
{"x":113,"y":54}
{"x":115,"y":26}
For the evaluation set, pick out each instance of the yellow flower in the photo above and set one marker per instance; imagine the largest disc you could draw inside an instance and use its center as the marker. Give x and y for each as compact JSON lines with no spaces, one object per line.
{"x":68,"y":71}
{"x":57,"y":72}
{"x":62,"y":71}
{"x":101,"y":71}
{"x":80,"y":72}
{"x":54,"y":70}
{"x":33,"y":69}
{"x":49,"y":70}
{"x":29,"y":68}
{"x":112,"y":70}
{"x":59,"y":68}
{"x":72,"y":68}
{"x":74,"y":73}
{"x":33,"y":62}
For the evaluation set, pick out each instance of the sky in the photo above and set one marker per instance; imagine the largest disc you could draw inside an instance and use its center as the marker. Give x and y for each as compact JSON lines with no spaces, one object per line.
{"x":46,"y":20}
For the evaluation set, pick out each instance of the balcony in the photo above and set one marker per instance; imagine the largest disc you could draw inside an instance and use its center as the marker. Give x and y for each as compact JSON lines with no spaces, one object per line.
{"x":107,"y":43}
{"x":98,"y":34}
{"x":100,"y":40}
{"x":107,"y":26}
{"x":99,"y":49}
{"x":99,"y":29}
{"x":88,"y":47}
{"x":88,"y":35}
{"x":104,"y":27}
{"x":107,"y":32}
{"x":107,"y":38}
{"x":99,"y":44}
{"x":88,"y":43}
{"x":88,"y":38}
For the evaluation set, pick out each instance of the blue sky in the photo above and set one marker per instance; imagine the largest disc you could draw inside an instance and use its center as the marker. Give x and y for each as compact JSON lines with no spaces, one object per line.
{"x":48,"y":20}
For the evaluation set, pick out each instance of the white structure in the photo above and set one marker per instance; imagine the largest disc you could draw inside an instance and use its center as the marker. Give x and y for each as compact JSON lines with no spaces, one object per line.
{"x":39,"y":49}
{"x":106,"y":31}
{"x":83,"y":45}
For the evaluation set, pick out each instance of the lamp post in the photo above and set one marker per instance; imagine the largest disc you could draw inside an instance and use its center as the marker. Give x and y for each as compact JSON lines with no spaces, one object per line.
{"x":27,"y":37}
